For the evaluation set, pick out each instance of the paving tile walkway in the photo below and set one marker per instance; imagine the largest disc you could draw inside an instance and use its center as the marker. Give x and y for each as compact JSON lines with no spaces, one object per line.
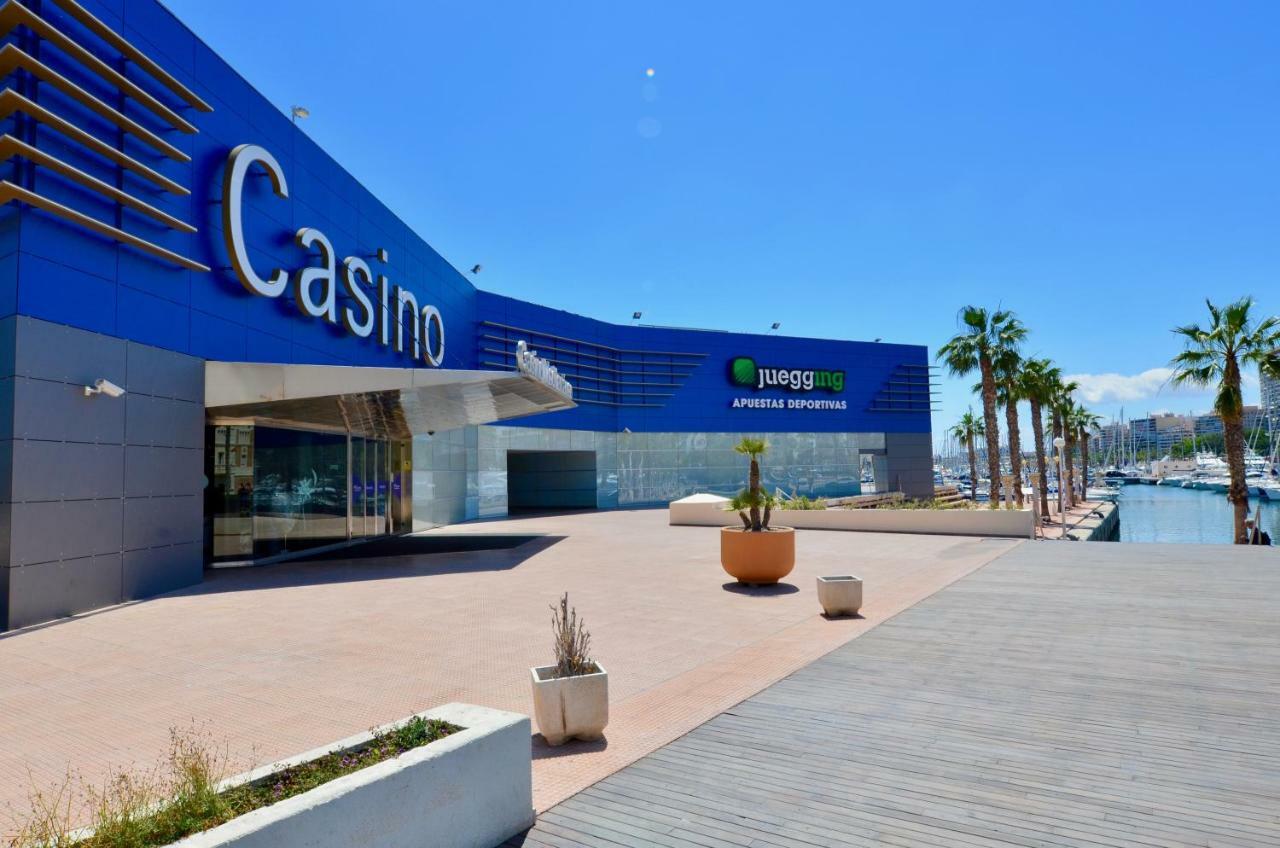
{"x":1067,"y":694}
{"x":287,"y":658}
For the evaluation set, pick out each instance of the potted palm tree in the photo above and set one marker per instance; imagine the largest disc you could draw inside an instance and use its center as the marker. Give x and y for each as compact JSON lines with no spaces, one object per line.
{"x":570,"y":698}
{"x":756,"y":553}
{"x":1212,"y":357}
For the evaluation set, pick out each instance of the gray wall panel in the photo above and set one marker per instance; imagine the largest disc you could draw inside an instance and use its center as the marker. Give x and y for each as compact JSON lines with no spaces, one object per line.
{"x":164,"y":422}
{"x":153,"y":471}
{"x":61,"y":412}
{"x":8,"y":345}
{"x":46,"y":471}
{"x":6,"y":407}
{"x":162,"y":373}
{"x":72,"y":496}
{"x":54,"y":589}
{"x":153,"y":522}
{"x":56,"y":352}
{"x":43,"y":531}
{"x":154,"y":570}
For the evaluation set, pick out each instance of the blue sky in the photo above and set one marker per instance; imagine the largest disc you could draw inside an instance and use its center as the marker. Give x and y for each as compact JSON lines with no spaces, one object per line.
{"x":853,"y":170}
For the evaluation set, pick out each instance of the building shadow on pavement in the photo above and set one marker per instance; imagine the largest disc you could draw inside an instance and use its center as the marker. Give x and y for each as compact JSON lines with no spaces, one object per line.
{"x":392,"y":558}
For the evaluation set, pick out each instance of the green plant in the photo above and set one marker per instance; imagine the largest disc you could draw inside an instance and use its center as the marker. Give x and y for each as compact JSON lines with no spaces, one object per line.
{"x":803,"y":502}
{"x":572,"y":641}
{"x":1213,"y":356}
{"x":752,"y":504}
{"x":149,"y":809}
{"x":985,"y":338}
{"x":967,"y":430}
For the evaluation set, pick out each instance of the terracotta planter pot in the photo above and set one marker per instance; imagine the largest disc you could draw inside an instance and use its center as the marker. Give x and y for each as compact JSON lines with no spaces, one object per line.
{"x":570,"y":707}
{"x":758,"y":558}
{"x":840,"y":595}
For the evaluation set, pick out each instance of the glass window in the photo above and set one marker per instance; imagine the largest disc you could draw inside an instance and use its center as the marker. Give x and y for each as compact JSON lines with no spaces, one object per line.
{"x":299,"y":491}
{"x":229,"y":485}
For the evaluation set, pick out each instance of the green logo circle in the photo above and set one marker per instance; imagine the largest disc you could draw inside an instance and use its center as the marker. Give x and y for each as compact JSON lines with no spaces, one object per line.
{"x":743,"y":371}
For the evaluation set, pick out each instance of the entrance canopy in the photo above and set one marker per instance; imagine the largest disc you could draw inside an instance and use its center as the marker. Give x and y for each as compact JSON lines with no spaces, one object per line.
{"x":385,"y":403}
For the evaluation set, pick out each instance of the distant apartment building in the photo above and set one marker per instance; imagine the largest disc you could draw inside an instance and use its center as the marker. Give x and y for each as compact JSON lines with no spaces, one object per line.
{"x":1157,"y":434}
{"x":1271,"y":399}
{"x":1211,"y":424}
{"x":1110,"y":437}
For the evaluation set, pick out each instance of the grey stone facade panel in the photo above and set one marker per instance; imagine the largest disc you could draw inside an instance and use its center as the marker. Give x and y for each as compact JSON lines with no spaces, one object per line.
{"x":44,"y":531}
{"x":60,"y":412}
{"x":56,"y":353}
{"x":49,"y":590}
{"x":154,"y":471}
{"x":164,"y":374}
{"x":155,"y":522}
{"x":164,"y":422}
{"x":151,"y":571}
{"x":90,"y":485}
{"x":48,"y":471}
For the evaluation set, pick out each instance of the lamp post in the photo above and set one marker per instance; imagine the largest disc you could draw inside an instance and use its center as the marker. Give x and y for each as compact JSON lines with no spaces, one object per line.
{"x":1060,"y":443}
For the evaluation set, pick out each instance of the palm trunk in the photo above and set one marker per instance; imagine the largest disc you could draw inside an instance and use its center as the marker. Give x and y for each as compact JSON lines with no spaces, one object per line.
{"x":1084,"y":465}
{"x":993,"y":430}
{"x":1062,"y":468}
{"x":1015,"y":450}
{"x":973,"y":469}
{"x":1233,"y":436}
{"x":753,"y":483}
{"x":1037,"y":429}
{"x":1070,"y":436}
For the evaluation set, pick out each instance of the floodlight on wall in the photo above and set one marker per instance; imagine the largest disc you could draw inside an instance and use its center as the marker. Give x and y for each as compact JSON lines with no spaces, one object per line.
{"x":477,"y":268}
{"x":103,"y":386}
{"x":635,"y":316}
{"x":775,"y":325}
{"x":299,"y":112}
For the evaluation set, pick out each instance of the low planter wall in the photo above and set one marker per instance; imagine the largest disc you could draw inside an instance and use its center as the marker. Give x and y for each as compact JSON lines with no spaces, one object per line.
{"x":471,"y":789}
{"x":1012,"y":523}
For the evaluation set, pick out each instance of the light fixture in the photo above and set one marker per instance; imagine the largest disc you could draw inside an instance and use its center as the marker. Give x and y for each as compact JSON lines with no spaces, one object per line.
{"x":477,"y":268}
{"x":877,"y":340}
{"x":299,"y":112}
{"x":775,"y":325}
{"x":635,"y":316}
{"x":103,"y":386}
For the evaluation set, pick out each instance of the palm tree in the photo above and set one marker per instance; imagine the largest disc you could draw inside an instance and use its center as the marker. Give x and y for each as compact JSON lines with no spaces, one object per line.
{"x":1213,"y":356}
{"x":967,"y":430}
{"x":1008,"y":367}
{"x":1036,"y":383}
{"x":1059,"y":408}
{"x":751,"y":499}
{"x":1085,"y":423}
{"x":984,"y":338}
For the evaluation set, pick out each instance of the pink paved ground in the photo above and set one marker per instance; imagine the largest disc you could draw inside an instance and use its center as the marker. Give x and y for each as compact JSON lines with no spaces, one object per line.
{"x":286,"y":658}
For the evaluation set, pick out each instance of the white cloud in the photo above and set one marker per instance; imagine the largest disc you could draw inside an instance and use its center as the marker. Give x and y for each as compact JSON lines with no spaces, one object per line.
{"x":1121,"y":388}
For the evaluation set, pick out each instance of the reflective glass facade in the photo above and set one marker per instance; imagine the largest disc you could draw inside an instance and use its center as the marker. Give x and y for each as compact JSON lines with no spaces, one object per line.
{"x":274,"y":490}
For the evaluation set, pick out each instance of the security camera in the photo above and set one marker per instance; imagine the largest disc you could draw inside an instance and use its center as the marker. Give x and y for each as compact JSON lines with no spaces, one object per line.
{"x":103,"y":386}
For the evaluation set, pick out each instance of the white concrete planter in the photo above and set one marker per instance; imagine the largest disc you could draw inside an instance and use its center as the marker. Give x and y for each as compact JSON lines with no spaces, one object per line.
{"x":471,"y":789}
{"x":570,"y":707}
{"x":1013,"y":523}
{"x":840,"y":594}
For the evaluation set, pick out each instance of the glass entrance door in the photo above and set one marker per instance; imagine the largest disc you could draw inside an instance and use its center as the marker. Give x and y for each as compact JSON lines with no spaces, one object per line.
{"x":370,"y":487}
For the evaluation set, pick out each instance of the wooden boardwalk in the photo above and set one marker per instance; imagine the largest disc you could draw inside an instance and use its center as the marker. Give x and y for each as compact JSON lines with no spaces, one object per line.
{"x":1066,"y":694}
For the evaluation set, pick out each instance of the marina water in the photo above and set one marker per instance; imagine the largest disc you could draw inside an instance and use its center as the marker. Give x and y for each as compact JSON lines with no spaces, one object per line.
{"x":1173,"y":514}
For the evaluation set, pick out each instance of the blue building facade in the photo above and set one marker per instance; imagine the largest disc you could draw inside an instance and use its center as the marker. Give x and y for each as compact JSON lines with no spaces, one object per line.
{"x":159,"y":216}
